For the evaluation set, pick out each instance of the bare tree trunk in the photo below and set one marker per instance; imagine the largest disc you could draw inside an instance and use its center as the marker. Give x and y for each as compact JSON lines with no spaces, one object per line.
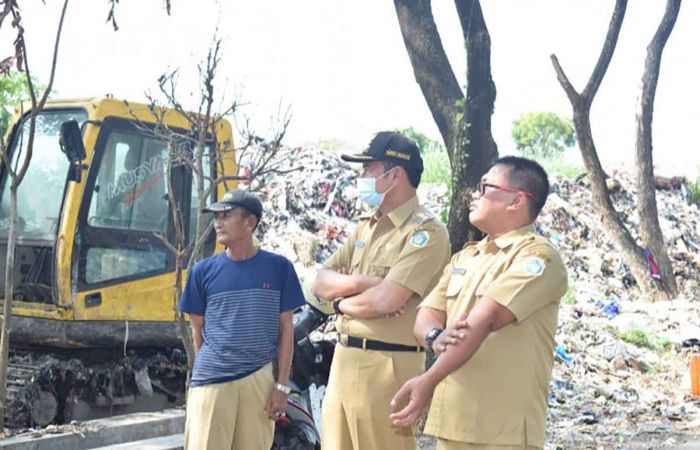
{"x":183,"y":329}
{"x":7,"y":306}
{"x":649,"y":229}
{"x":15,"y":177}
{"x":581,"y":104}
{"x":476,"y":150}
{"x":464,"y":122}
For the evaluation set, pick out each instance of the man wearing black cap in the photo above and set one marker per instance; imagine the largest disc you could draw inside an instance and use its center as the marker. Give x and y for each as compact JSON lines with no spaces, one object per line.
{"x":240,"y":304}
{"x":375,"y":281}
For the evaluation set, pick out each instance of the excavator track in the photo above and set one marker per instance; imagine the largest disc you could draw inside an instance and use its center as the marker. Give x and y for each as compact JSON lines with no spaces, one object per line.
{"x":58,"y":387}
{"x":21,"y":397}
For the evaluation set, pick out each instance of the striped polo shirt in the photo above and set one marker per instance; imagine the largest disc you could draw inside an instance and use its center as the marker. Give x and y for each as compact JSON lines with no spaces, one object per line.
{"x":241,"y":302}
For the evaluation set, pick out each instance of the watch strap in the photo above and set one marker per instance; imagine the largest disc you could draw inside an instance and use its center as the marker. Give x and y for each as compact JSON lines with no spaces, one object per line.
{"x":283,"y":388}
{"x":431,"y":336}
{"x":336,"y":305}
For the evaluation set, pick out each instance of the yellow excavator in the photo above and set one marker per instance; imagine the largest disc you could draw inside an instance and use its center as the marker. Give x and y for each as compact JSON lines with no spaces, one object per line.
{"x":93,"y":330}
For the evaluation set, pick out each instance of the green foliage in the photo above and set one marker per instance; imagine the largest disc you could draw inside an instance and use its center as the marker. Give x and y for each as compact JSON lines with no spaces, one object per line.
{"x":611,"y":329}
{"x":542,"y":134}
{"x":640,"y":338}
{"x":13,"y":90}
{"x":636,"y":337}
{"x":436,"y":169}
{"x":695,"y":191}
{"x":570,"y":296}
{"x":425,"y":144}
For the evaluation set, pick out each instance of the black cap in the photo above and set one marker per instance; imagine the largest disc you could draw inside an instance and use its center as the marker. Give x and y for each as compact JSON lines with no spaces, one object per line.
{"x":392,"y":147}
{"x":237,"y":197}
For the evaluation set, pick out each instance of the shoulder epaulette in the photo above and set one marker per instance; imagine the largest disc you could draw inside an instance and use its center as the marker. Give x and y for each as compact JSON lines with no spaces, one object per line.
{"x":424,"y":217}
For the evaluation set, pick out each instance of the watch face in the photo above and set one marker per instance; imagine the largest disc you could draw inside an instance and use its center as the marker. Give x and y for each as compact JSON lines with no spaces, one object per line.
{"x":433,"y":334}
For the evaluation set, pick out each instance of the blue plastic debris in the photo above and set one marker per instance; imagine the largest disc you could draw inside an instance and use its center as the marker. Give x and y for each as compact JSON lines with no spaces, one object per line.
{"x":610,"y":309}
{"x":560,"y":352}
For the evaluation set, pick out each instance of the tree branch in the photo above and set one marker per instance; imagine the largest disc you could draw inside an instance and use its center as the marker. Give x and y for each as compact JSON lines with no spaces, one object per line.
{"x":649,"y":227}
{"x":431,"y":67}
{"x":606,"y":54}
{"x":37,"y":107}
{"x":570,"y":91}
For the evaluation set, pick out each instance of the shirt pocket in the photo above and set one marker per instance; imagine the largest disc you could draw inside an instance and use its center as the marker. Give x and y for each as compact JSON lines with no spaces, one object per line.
{"x":383,"y":260}
{"x":455,"y":285}
{"x":356,"y":259}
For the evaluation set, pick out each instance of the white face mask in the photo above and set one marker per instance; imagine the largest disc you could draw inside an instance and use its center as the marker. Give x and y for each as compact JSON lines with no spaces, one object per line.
{"x":367,"y":189}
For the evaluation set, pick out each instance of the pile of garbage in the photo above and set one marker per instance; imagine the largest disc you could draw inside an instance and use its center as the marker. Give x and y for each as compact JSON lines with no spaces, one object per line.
{"x":621,"y":377}
{"x":65,"y":387}
{"x":310,"y":207}
{"x":572,"y":223}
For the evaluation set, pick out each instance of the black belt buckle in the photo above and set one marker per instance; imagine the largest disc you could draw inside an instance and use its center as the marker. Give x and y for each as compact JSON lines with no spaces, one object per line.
{"x":369,"y":344}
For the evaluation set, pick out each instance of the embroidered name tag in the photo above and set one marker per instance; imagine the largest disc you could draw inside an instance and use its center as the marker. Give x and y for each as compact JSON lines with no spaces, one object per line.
{"x":359,"y":244}
{"x":459,"y":271}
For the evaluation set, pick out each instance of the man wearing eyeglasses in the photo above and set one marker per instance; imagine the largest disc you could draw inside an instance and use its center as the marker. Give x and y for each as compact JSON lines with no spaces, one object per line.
{"x":376,"y":280}
{"x":240,"y":304}
{"x":491,"y":321}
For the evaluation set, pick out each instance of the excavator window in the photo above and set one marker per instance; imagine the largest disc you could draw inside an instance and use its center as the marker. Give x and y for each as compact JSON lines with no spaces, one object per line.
{"x":127,"y":206}
{"x":126,"y":213}
{"x":132,"y":192}
{"x":39,"y":203}
{"x":40,"y":195}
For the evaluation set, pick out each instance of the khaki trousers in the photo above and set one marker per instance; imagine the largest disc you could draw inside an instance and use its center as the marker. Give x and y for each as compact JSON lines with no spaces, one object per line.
{"x":356,"y":406}
{"x":231,"y":415}
{"x":443,"y":444}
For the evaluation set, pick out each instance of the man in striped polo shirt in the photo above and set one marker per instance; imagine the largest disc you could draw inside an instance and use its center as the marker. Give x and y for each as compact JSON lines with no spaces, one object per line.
{"x":240,"y":304}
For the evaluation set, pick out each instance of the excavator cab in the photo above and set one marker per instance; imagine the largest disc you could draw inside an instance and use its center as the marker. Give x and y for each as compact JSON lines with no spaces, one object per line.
{"x":93,"y":266}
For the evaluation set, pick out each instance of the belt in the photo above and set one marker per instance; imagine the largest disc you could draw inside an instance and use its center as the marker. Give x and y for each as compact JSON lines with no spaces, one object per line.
{"x":369,"y":344}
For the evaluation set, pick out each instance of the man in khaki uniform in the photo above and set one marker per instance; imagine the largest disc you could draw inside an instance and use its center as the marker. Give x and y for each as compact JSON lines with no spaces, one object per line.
{"x":376,"y":280}
{"x":499,"y":299}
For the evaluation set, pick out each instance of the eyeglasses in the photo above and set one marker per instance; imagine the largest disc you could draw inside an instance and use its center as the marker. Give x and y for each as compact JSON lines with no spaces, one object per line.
{"x":481,"y":188}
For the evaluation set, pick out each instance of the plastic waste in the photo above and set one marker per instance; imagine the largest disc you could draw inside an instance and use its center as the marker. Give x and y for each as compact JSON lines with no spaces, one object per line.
{"x":143,"y":381}
{"x":610,"y":309}
{"x":560,"y":352}
{"x":695,"y":375}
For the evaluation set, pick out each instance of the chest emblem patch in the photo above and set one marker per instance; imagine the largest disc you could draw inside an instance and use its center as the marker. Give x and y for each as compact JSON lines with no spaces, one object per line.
{"x":534,"y":266}
{"x":420,"y":238}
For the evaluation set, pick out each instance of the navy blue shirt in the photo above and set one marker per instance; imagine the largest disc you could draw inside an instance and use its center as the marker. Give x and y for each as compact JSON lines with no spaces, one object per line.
{"x":241,"y":302}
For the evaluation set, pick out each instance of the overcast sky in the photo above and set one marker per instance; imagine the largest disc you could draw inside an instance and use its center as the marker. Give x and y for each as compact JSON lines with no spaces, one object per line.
{"x":343,"y":68}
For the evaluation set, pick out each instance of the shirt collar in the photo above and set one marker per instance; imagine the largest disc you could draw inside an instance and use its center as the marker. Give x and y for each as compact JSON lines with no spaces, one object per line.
{"x":507,"y":239}
{"x":401,"y":214}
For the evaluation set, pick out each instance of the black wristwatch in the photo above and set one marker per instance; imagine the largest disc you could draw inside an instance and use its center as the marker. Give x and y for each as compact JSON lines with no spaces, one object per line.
{"x":336,"y":305}
{"x":431,"y":336}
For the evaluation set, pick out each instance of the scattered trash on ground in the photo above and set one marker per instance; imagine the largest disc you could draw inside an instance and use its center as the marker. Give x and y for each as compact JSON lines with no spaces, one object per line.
{"x":621,"y":374}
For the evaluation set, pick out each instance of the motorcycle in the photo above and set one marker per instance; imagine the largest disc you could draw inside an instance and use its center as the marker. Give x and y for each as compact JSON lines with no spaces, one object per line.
{"x":300,"y":428}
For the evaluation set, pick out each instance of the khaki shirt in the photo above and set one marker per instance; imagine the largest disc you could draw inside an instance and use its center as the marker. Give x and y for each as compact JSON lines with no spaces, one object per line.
{"x":500,"y":394}
{"x":408,"y":246}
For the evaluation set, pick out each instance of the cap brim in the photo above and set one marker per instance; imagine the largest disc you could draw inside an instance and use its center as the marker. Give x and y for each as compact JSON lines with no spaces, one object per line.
{"x":219,"y":207}
{"x":360,"y":157}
